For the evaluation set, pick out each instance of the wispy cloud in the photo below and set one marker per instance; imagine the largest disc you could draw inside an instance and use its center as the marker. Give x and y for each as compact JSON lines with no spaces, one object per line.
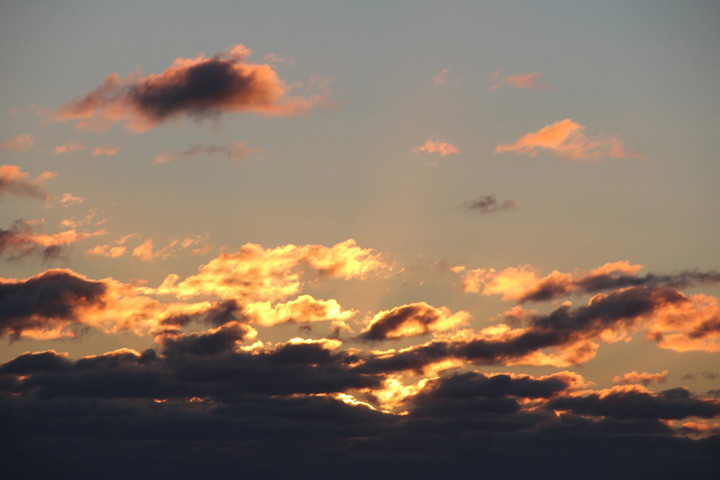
{"x":520,"y":80}
{"x":490,"y":204}
{"x":105,"y":150}
{"x":441,"y":78}
{"x":233,"y":151}
{"x":20,"y":143}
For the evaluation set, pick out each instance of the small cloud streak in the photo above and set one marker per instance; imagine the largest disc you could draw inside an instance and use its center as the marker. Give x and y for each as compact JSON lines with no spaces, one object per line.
{"x":520,"y":80}
{"x":21,"y":240}
{"x":105,"y":150}
{"x":490,"y":204}
{"x":433,"y":146}
{"x":233,"y":151}
{"x":567,"y":139}
{"x":106,"y":251}
{"x":72,"y":146}
{"x":199,"y":88}
{"x":644,"y":378}
{"x":441,"y":78}
{"x":13,"y":181}
{"x":19,"y":143}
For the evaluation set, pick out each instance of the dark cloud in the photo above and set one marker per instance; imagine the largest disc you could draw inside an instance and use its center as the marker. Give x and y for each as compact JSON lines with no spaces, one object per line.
{"x":199,"y":88}
{"x":20,"y":241}
{"x":489,"y":204}
{"x":46,"y":301}
{"x":550,"y":289}
{"x":410,"y":320}
{"x":221,"y":340}
{"x":673,"y":404}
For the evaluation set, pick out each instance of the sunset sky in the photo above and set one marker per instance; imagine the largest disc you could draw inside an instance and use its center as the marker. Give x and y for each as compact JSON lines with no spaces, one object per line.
{"x":379,"y":239}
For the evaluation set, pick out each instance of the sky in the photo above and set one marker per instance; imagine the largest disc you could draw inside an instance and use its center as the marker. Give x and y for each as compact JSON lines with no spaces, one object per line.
{"x":325,"y":238}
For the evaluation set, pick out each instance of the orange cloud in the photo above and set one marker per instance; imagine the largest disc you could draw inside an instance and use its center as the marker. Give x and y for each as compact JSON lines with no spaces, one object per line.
{"x":524,"y":283}
{"x":105,"y":150}
{"x":268,"y":275}
{"x":106,"y":251}
{"x":13,"y":181}
{"x":72,"y":146}
{"x":147,"y":253}
{"x":432,"y":146}
{"x":19,"y":143}
{"x":21,"y":240}
{"x":567,"y":139}
{"x":522,"y":80}
{"x":69,"y":199}
{"x":645,"y":378}
{"x":196,"y":87}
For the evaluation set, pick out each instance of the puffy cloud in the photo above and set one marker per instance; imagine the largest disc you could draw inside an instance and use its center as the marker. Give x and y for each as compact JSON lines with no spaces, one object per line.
{"x":521,"y":80}
{"x":567,"y":139}
{"x":411,"y":320}
{"x":19,"y":143}
{"x":233,"y":151}
{"x":197,"y":87}
{"x":13,"y":181}
{"x":524,"y":283}
{"x":21,"y":240}
{"x":643,"y":378}
{"x":435,"y":146}
{"x":260,"y":274}
{"x":489,"y":204}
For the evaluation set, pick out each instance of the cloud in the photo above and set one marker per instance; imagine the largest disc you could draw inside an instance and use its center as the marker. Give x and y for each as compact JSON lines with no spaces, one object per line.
{"x":441,"y":78}
{"x":199,"y":88}
{"x":21,"y":240}
{"x":106,"y":251}
{"x":624,"y":403}
{"x":489,"y":204}
{"x":19,"y":143}
{"x":147,"y":253}
{"x":233,"y":151}
{"x":567,"y":139}
{"x":523,"y":283}
{"x":105,"y":150}
{"x":644,"y":378}
{"x":13,"y":181}
{"x":521,"y":80}
{"x":411,"y":320}
{"x":69,"y":199}
{"x":72,"y":146}
{"x":256,"y":273}
{"x":46,"y":302}
{"x":433,"y":146}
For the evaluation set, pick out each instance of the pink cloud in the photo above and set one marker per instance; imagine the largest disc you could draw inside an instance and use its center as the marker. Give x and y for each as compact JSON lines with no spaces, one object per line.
{"x":521,"y":80}
{"x":568,"y":139}
{"x":441,"y":78}
{"x":19,"y":143}
{"x":105,"y":150}
{"x":432,"y":146}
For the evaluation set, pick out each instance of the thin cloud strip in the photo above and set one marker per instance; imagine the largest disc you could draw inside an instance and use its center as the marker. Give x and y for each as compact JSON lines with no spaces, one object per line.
{"x":232,"y":151}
